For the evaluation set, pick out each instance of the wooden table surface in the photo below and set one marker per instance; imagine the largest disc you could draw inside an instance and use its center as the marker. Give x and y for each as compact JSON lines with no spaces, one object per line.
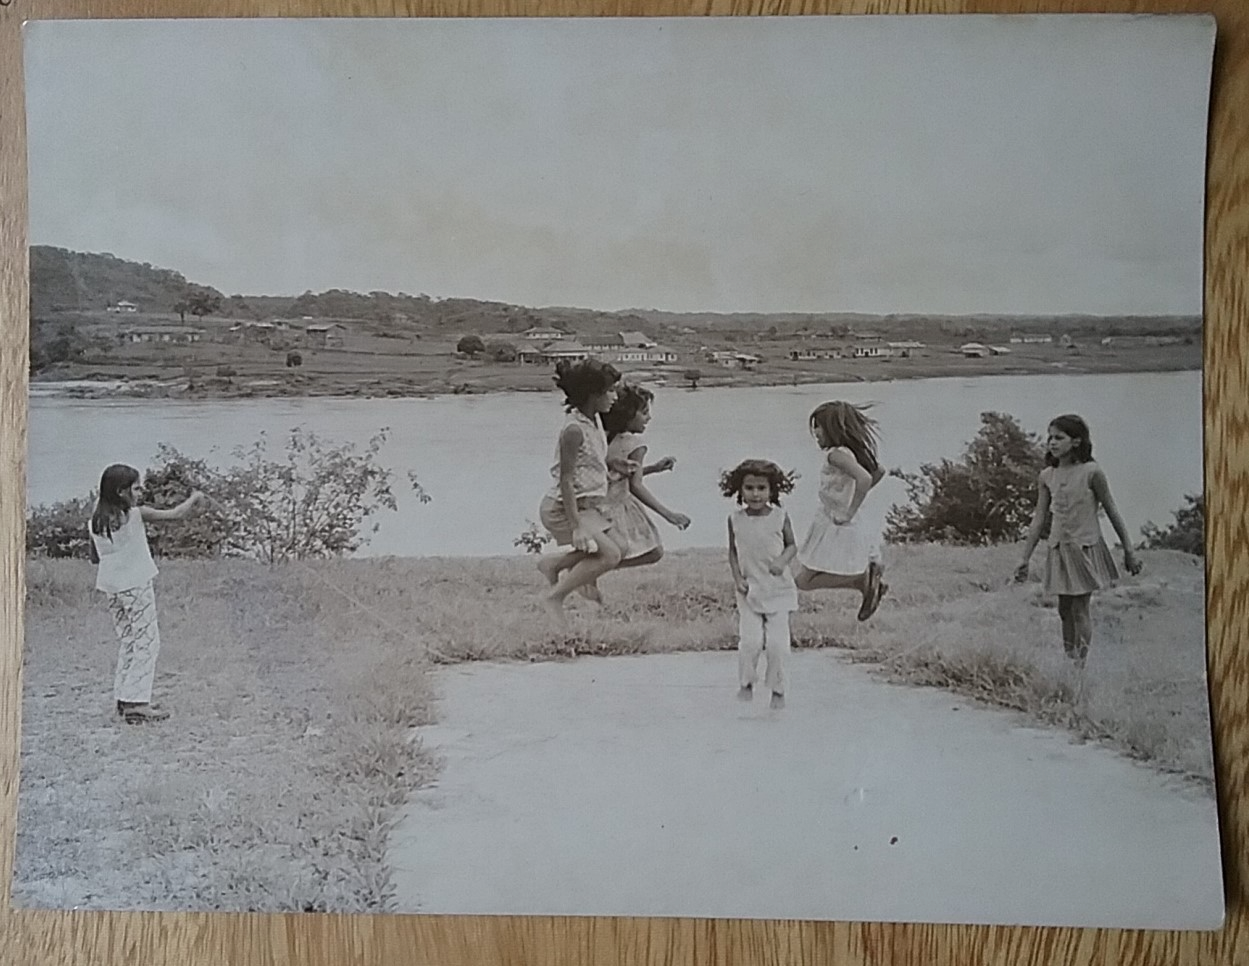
{"x":46,"y":938}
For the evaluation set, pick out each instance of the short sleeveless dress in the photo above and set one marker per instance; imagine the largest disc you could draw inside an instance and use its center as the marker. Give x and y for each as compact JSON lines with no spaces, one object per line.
{"x":632,"y":528}
{"x":760,"y":538}
{"x":833,"y":548}
{"x":1078,"y":561}
{"x":589,"y":482}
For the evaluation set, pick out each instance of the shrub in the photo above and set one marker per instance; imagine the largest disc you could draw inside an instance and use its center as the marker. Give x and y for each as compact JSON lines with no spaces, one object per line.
{"x":471,"y":345}
{"x":986,"y":497}
{"x":60,"y":529}
{"x":1187,"y":532}
{"x":532,"y":539}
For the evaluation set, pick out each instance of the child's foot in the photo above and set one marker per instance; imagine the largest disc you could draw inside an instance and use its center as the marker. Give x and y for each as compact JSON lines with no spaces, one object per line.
{"x":141,"y":712}
{"x":873,"y":591}
{"x":549,"y":567}
{"x":745,"y":693}
{"x":554,"y":609}
{"x":778,"y":701}
{"x":590,"y":591}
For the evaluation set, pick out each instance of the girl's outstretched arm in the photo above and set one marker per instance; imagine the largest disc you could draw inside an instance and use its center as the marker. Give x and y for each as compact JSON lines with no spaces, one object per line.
{"x":1101,"y":490}
{"x":1039,"y":516}
{"x":180,"y":512}
{"x":659,"y":466}
{"x":739,"y":581}
{"x":646,"y":498}
{"x":863,"y":480}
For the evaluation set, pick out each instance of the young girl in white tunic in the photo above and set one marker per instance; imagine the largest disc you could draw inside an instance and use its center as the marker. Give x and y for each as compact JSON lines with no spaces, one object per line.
{"x":126,"y":570}
{"x":842,"y":548}
{"x":761,"y":546}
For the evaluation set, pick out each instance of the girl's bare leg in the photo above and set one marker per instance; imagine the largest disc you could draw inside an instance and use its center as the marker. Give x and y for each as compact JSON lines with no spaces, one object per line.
{"x":642,"y":560}
{"x":1065,"y":614}
{"x":552,"y":566}
{"x":584,"y":571}
{"x":818,"y":580}
{"x":1082,"y":626}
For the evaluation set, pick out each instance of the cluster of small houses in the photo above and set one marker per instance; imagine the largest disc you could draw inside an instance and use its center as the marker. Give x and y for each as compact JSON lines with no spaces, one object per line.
{"x":310,"y":335}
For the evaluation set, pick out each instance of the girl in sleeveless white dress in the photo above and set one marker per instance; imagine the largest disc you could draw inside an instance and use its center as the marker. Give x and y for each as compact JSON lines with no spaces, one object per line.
{"x":842,"y":549}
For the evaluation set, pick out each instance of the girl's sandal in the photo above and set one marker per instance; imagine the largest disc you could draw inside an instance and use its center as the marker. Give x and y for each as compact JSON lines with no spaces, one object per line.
{"x":874,"y":592}
{"x":142,"y":713}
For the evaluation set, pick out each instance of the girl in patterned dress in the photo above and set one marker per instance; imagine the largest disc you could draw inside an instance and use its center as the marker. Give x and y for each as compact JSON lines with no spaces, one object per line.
{"x":126,"y":570}
{"x":1072,"y":491}
{"x":571,"y":511}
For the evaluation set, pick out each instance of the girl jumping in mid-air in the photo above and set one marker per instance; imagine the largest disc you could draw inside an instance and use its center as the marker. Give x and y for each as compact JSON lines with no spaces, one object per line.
{"x":572,"y":510}
{"x":126,"y":569}
{"x":842,"y":548}
{"x":627,"y":498}
{"x":1071,"y":491}
{"x":761,"y":546}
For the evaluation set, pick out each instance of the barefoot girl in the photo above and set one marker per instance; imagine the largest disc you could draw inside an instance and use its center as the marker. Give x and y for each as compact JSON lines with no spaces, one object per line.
{"x":761,"y":546}
{"x":119,"y":546}
{"x":627,"y":496}
{"x":842,"y":548}
{"x":1072,"y":489}
{"x":571,"y":510}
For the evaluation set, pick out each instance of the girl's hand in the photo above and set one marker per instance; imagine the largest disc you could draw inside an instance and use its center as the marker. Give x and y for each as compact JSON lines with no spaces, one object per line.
{"x":776,"y":566}
{"x":1021,"y":573}
{"x":841,"y":519}
{"x":679,"y":520}
{"x":198,"y":496}
{"x":1132,"y":564}
{"x":667,"y":463}
{"x":742,"y":587}
{"x":622,"y":466}
{"x":582,"y":541}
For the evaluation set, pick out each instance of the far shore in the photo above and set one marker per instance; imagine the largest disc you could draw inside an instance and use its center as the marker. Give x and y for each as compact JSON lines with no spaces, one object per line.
{"x":477,"y":378}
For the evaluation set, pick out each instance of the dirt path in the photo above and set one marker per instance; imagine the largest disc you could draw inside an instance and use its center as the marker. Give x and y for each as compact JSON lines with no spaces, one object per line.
{"x":640,"y":786}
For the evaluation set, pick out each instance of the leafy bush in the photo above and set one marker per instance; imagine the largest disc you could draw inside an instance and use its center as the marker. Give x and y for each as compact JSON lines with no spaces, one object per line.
{"x":533,"y":538}
{"x":1187,"y":532}
{"x":313,"y":500}
{"x":986,"y":497}
{"x":60,"y":529}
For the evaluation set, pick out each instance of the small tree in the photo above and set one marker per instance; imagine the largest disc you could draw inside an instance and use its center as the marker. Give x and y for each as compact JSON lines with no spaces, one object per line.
{"x":1187,"y":532}
{"x":692,"y":376}
{"x":986,"y":497}
{"x":182,"y":306}
{"x":471,"y":346}
{"x":203,"y":302}
{"x":501,"y":351}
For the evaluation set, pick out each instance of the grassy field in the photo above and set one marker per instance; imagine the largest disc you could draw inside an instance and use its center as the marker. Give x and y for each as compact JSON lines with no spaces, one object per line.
{"x":295,"y":690}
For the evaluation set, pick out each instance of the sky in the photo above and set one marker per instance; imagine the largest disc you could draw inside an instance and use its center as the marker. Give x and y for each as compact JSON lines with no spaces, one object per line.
{"x":941,"y":165}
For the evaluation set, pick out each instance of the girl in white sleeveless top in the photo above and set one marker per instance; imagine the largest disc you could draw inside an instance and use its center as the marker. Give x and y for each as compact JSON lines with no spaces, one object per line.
{"x":571,"y":509}
{"x":761,"y":547}
{"x":126,"y":570}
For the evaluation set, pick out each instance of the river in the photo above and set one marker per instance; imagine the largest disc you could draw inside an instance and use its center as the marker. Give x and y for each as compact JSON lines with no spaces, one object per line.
{"x":485,"y":460}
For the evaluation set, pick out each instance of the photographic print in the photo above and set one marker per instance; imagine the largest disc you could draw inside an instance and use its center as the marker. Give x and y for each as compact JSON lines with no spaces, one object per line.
{"x":720,"y":467}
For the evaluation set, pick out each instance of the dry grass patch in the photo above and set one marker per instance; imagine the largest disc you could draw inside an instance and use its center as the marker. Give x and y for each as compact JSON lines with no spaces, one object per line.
{"x":296,"y":689}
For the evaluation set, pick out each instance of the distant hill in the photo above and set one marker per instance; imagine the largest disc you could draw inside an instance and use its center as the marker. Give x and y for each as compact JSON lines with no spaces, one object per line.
{"x":65,"y":281}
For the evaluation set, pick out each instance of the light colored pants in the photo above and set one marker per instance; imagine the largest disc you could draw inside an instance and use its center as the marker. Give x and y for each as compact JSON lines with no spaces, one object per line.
{"x":762,"y":632}
{"x":134,"y":617}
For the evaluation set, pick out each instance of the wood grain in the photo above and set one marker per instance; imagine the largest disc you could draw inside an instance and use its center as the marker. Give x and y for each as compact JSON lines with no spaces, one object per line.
{"x":47,"y":938}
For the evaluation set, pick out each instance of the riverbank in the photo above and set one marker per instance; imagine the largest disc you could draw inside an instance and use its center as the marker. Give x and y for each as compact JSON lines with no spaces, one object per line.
{"x":373,"y":376}
{"x":295,"y":690}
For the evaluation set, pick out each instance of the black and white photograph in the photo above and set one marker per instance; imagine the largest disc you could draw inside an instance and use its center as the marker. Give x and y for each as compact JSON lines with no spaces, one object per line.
{"x":707,"y":467}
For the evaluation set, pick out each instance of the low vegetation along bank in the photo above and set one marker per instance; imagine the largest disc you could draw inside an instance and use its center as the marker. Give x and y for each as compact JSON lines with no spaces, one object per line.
{"x":295,"y":689}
